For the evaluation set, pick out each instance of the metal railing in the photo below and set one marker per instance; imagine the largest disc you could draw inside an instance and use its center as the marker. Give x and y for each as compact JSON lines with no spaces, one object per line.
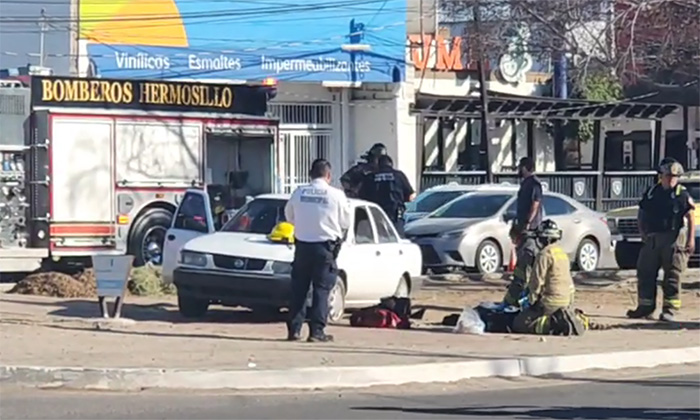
{"x":623,"y":189}
{"x":617,"y":189}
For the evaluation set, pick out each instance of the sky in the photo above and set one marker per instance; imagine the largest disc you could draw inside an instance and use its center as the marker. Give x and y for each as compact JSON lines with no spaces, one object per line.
{"x":24,"y":38}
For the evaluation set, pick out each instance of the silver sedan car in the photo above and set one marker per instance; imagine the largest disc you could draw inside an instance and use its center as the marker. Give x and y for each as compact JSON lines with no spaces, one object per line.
{"x":431,"y":199}
{"x":471,"y":232}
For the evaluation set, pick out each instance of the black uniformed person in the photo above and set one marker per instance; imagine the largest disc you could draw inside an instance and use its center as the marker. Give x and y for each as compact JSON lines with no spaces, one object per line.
{"x":321,"y":215}
{"x":668,"y":231}
{"x":389,"y":189}
{"x":352,"y":179}
{"x":528,"y":218}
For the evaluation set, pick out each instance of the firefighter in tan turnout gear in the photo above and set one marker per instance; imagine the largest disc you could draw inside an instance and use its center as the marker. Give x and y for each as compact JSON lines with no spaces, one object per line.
{"x":550,"y":290}
{"x":667,"y":226}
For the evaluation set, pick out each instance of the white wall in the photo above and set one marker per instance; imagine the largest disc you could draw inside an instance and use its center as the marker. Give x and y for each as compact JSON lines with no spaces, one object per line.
{"x":380,"y":114}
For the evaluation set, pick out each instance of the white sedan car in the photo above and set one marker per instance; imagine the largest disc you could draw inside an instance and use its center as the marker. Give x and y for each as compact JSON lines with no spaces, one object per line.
{"x":239,"y":266}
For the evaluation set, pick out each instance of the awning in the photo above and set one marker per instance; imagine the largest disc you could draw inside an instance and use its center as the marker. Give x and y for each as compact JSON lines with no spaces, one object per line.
{"x":533,"y":107}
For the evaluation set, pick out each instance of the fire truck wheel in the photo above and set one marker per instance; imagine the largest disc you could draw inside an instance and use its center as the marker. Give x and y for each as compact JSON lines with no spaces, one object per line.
{"x":148,"y":236}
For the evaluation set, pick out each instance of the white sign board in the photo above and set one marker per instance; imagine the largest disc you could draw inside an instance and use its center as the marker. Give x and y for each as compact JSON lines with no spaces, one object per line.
{"x":112,"y":274}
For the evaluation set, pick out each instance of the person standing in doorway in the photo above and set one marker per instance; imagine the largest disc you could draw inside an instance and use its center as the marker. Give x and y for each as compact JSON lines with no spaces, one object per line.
{"x":528,"y":218}
{"x":321,"y":216}
{"x":389,"y":189}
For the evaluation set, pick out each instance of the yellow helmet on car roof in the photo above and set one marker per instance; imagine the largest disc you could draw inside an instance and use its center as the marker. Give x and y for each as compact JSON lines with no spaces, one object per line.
{"x":282,"y":232}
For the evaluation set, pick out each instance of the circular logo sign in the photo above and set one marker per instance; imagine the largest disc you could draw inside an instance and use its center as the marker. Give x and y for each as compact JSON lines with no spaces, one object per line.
{"x":238,"y":263}
{"x":616,"y":187}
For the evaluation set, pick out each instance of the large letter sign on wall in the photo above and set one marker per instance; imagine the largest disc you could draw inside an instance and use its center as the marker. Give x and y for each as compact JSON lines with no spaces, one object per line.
{"x":439,"y":53}
{"x":245,"y":40}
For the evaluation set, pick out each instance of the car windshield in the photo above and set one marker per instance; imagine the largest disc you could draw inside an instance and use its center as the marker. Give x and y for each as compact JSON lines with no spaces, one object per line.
{"x":259,"y":216}
{"x":472,"y":206}
{"x":430,"y":201}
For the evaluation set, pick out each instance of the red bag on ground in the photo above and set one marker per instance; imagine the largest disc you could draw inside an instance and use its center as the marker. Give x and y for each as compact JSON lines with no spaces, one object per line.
{"x":375,"y":317}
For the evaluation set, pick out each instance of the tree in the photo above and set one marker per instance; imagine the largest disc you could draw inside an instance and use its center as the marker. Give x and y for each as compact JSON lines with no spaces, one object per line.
{"x":630,"y":40}
{"x":658,"y":41}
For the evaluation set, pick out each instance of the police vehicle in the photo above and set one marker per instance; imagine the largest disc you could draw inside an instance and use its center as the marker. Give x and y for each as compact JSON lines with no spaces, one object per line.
{"x":240,"y":265}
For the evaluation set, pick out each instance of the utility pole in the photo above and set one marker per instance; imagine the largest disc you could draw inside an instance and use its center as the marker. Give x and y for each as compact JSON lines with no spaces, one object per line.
{"x":483,"y":91}
{"x":42,"y":35}
{"x":74,"y":37}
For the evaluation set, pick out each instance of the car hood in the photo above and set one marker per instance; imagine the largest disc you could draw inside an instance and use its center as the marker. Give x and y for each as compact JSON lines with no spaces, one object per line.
{"x":414,"y":215}
{"x":248,"y":245}
{"x":623,"y":212}
{"x":433,"y":226}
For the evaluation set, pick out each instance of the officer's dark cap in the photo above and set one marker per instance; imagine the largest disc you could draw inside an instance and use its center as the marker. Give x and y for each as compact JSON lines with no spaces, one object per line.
{"x":378,"y":149}
{"x":320,"y":168}
{"x":386,"y":161}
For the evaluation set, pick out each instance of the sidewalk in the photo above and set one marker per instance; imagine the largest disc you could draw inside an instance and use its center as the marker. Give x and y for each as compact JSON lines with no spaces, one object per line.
{"x":52,"y":332}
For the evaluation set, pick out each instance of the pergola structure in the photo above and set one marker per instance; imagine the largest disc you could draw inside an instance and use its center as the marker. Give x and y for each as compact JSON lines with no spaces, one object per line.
{"x":530,"y":109}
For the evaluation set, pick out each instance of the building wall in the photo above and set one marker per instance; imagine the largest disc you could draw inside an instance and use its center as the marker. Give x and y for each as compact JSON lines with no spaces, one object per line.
{"x":363,"y":116}
{"x":381,"y":114}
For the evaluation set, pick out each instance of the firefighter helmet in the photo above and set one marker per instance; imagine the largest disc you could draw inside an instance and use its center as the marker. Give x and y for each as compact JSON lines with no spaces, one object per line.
{"x":549,"y":230}
{"x":282,"y":232}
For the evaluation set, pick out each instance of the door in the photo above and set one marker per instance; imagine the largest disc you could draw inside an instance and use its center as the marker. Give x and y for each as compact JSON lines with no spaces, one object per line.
{"x":300,"y":148}
{"x":193,"y":218}
{"x":391,"y":264}
{"x":361,"y":258}
{"x":569,"y":220}
{"x":306,"y":130}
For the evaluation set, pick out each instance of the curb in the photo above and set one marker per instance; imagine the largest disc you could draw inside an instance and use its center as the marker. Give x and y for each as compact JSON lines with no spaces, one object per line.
{"x":117,"y":379}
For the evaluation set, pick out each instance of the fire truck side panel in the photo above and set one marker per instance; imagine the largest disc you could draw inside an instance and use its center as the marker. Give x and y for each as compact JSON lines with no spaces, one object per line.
{"x":81,"y":176}
{"x":154,"y":152}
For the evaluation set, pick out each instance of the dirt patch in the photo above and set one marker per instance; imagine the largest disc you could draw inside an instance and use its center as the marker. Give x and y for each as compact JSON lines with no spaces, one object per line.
{"x":55,"y":284}
{"x":143,"y":281}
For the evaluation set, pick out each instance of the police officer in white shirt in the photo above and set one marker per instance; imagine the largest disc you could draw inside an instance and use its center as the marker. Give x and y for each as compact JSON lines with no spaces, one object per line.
{"x":321,"y":216}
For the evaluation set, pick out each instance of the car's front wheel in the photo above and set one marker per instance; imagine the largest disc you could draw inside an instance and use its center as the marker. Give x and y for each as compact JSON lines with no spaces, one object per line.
{"x":587,"y":255}
{"x":191,"y":307}
{"x":488,"y":257}
{"x":336,"y":302}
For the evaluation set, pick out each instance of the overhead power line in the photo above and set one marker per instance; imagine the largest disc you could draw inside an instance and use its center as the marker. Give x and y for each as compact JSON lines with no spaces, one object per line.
{"x":261,"y":12}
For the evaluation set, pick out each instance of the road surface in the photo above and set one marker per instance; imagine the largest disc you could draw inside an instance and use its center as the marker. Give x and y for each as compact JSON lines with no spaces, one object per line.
{"x":666,"y":398}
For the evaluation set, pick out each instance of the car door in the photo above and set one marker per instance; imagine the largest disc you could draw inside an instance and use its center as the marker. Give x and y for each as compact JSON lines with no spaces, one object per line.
{"x":391,"y":254}
{"x":193,"y":218}
{"x":361,"y":258}
{"x":569,"y":220}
